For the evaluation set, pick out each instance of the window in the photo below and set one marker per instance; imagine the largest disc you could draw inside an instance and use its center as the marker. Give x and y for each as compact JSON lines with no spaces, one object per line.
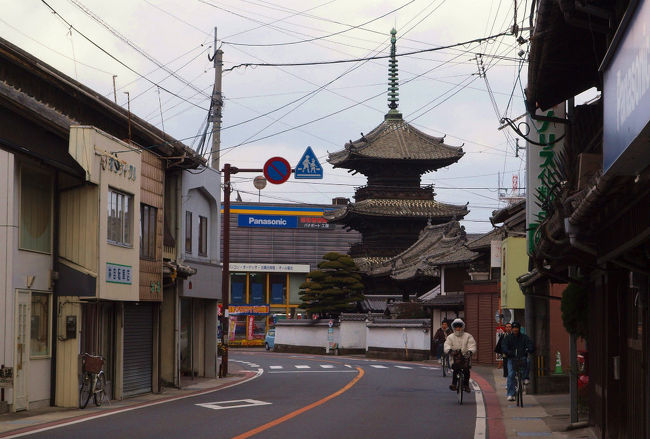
{"x":40,"y":324}
{"x":35,"y":211}
{"x":120,"y":218}
{"x":148,"y":216}
{"x":188,"y":232}
{"x":203,"y":236}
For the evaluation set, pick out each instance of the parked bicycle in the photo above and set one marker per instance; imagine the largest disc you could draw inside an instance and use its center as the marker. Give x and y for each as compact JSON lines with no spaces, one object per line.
{"x":93,"y":380}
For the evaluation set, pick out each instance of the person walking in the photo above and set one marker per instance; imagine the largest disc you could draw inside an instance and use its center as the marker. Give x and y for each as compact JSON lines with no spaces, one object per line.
{"x":517,"y":346}
{"x":462,"y":345}
{"x":499,"y":348}
{"x":440,"y":337}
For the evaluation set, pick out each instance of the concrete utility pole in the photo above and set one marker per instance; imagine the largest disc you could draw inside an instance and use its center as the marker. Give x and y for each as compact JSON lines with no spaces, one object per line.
{"x":217,"y":104}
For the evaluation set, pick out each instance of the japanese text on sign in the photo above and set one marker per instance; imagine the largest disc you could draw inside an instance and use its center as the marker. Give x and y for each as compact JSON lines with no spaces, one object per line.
{"x":118,"y":274}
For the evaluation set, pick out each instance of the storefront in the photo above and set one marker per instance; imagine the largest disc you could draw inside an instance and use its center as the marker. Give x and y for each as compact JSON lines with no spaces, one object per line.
{"x":260,"y":295}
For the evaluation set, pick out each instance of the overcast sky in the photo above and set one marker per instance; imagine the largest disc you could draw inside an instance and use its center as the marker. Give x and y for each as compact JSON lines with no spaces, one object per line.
{"x":322,"y":106}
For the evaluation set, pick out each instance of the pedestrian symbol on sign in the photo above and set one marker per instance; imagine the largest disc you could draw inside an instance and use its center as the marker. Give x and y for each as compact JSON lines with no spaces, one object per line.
{"x":309,"y":166}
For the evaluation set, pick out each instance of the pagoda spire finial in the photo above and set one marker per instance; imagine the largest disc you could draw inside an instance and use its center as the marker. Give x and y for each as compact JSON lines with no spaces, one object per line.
{"x":393,"y":81}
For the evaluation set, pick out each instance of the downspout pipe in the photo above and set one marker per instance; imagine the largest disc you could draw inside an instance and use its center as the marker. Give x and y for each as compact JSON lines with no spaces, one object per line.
{"x":55,"y":289}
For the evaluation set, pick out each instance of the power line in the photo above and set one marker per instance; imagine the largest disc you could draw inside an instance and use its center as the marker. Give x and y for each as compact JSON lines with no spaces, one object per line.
{"x":341,"y":61}
{"x":113,"y":57}
{"x":232,"y":43}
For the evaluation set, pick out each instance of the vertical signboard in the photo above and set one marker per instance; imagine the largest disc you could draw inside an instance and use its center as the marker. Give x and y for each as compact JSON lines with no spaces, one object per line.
{"x":539,"y":158}
{"x":626,"y":98}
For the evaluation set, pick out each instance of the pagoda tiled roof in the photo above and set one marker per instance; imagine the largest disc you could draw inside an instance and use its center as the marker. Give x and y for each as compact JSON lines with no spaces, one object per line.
{"x":396,"y":139}
{"x":405,"y":208}
{"x":438,"y":245}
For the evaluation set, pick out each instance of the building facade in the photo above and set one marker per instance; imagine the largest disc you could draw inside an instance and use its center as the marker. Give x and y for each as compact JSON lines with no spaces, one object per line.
{"x":272,"y":248}
{"x":82,"y":236}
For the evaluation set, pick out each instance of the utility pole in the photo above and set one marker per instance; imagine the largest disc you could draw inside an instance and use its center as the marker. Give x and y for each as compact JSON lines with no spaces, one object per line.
{"x":217,"y":104}
{"x":225,"y":272}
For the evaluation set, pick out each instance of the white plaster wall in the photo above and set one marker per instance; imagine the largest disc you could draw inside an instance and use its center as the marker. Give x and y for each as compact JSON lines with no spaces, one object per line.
{"x":390,"y":337}
{"x":353,"y":335}
{"x":315,"y":336}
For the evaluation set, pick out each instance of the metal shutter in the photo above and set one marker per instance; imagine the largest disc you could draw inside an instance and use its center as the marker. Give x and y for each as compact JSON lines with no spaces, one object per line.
{"x":138,"y":349}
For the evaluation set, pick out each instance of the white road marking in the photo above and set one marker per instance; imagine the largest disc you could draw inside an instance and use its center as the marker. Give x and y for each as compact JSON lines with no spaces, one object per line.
{"x":480,"y":429}
{"x":302,"y":366}
{"x":327,"y":366}
{"x":403,"y":367}
{"x":378,"y":366}
{"x":235,"y":404}
{"x":128,"y":409}
{"x":276,"y":367}
{"x":347,"y":365}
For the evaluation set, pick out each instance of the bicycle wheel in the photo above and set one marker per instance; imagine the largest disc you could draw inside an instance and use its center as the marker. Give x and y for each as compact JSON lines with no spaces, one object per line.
{"x":84,"y":390}
{"x":459,"y":389}
{"x":520,"y":391}
{"x":100,"y":389}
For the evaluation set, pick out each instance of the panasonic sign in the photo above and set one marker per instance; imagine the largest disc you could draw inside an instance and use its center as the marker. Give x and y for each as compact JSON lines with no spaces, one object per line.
{"x":276,"y":221}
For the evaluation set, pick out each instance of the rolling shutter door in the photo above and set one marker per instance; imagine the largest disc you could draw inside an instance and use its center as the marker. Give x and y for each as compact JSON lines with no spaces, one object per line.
{"x":138,"y":348}
{"x":486,"y":331}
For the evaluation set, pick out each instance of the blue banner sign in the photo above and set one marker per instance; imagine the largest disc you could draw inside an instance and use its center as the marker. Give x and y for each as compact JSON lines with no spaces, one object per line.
{"x":275,"y":221}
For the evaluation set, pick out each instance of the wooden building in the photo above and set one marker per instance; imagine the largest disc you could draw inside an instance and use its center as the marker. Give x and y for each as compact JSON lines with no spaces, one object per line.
{"x":593,"y":229}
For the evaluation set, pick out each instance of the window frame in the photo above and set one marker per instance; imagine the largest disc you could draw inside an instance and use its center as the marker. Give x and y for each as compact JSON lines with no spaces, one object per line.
{"x":48,"y":324}
{"x":203,"y":236}
{"x":148,"y":222}
{"x":125,"y":224}
{"x":21,"y":245}
{"x":188,"y":232}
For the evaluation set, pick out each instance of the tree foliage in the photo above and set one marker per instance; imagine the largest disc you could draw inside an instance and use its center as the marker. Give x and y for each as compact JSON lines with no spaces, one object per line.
{"x":575,"y":303}
{"x":334,"y":288}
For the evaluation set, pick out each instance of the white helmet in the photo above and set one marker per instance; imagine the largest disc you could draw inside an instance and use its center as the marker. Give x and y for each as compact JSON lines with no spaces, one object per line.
{"x":458,"y":323}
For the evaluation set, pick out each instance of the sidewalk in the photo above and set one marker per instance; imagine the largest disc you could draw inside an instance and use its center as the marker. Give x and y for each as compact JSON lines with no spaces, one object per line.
{"x":31,"y":420}
{"x":541,"y":416}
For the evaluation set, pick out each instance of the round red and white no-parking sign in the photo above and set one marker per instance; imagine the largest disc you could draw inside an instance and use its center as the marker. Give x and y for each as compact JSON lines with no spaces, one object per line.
{"x":277,"y":170}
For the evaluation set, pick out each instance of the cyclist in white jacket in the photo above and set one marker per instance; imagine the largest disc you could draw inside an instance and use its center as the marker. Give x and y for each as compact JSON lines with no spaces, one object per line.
{"x":460,"y":345}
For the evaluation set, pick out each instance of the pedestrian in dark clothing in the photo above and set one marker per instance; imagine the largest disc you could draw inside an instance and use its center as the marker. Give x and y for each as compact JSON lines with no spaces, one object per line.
{"x":517,"y":346}
{"x":499,"y":348}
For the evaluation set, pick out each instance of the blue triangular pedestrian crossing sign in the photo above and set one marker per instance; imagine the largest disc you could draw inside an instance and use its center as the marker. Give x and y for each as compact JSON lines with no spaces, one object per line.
{"x":308,"y":166}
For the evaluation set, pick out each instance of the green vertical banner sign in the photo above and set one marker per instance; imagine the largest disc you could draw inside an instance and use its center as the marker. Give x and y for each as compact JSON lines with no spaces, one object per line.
{"x":538,"y":163}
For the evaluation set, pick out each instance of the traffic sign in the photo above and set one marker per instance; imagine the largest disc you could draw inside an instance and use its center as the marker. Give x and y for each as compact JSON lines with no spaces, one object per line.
{"x":309,"y":167}
{"x":277,"y":170}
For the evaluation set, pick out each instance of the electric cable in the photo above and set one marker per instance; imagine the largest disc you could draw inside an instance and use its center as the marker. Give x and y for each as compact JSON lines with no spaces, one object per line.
{"x":112,"y":56}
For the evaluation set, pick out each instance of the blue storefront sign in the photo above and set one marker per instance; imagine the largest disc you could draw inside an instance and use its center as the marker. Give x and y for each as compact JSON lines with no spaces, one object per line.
{"x":626,"y":98}
{"x":275,"y":221}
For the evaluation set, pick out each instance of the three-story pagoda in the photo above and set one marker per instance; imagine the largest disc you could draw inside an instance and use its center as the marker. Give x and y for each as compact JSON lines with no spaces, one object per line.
{"x":392,"y":209}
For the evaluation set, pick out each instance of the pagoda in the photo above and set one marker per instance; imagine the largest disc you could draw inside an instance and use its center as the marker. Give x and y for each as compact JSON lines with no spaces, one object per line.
{"x":392,"y":209}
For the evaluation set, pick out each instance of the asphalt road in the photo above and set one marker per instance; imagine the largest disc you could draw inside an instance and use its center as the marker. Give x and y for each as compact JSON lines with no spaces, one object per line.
{"x":298,"y":396}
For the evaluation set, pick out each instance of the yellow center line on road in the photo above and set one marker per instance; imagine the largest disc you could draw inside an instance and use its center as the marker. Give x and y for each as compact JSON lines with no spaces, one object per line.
{"x":302,"y":410}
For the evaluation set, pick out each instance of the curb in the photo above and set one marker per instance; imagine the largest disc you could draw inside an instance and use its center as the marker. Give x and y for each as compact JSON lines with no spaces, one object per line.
{"x":247,"y":375}
{"x":495,"y":426}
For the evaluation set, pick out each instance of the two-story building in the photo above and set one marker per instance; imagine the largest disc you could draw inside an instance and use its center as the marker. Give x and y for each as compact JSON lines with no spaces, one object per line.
{"x":81,"y":234}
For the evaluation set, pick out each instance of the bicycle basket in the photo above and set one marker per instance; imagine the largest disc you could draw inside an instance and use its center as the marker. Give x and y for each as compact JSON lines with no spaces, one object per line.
{"x":93,"y":364}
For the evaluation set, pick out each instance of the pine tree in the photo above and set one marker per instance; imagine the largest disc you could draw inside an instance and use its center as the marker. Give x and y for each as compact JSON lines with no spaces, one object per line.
{"x":333,"y":288}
